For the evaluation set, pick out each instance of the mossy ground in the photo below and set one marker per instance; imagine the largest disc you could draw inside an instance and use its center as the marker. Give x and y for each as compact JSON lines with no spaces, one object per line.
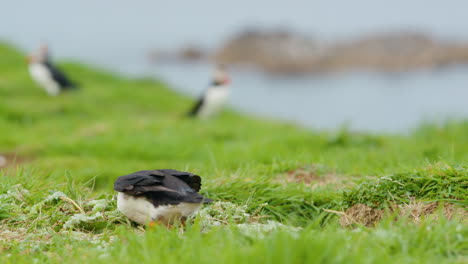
{"x":63,"y":154}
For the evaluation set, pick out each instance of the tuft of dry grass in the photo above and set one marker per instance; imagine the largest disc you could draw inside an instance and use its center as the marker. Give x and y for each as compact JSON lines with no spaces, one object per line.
{"x":415,"y":211}
{"x":313,"y":175}
{"x":12,"y":159}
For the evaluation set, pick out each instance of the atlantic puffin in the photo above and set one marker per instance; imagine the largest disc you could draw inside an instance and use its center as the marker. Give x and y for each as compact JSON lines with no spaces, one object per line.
{"x":46,"y":74}
{"x":214,"y":97}
{"x":159,"y":196}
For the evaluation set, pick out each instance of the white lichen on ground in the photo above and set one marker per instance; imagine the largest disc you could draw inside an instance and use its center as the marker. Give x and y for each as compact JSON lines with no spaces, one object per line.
{"x":28,"y":226}
{"x":97,"y":214}
{"x":220,"y":213}
{"x":32,"y":227}
{"x":53,"y":197}
{"x":227,"y":213}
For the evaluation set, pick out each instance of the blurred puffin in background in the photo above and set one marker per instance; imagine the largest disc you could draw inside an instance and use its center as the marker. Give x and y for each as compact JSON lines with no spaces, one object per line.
{"x":46,"y":74}
{"x":214,"y":97}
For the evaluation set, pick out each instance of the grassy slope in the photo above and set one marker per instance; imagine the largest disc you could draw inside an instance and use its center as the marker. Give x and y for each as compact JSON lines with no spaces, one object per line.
{"x":115,"y":126}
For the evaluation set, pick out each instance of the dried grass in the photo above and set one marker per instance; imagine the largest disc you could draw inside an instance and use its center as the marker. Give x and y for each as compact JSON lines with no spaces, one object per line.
{"x":415,"y":211}
{"x":11,"y":160}
{"x":311,"y":175}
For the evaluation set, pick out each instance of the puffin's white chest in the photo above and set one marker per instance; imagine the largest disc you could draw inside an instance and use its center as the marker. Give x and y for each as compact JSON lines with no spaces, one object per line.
{"x":41,"y":74}
{"x":142,"y":211}
{"x":214,"y":99}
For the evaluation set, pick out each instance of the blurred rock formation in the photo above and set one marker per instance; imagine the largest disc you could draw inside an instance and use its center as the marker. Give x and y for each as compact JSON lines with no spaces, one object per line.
{"x":281,"y":51}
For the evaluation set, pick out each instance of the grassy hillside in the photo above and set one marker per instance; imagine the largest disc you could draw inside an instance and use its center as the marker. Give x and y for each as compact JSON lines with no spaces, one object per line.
{"x":63,"y":154}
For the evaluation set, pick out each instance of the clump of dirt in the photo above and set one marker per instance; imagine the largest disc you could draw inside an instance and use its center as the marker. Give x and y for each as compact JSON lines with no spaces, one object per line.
{"x":303,"y":175}
{"x":362,"y":214}
{"x":94,"y":130}
{"x":418,"y":210}
{"x":311,"y":175}
{"x":12,"y":159}
{"x":414,"y":211}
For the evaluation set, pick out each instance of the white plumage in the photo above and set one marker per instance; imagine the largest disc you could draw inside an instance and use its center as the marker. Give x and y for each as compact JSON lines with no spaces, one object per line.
{"x":214,"y":99}
{"x":42,"y":75}
{"x":143,"y":212}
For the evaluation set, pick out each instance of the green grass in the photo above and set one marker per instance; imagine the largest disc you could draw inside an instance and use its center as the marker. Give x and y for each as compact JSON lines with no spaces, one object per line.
{"x":438,"y":183}
{"x":80,"y":142}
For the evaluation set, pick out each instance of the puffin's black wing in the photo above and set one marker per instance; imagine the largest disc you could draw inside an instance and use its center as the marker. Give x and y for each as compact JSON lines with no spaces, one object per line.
{"x":196,"y":107}
{"x":59,"y":76}
{"x":162,"y":187}
{"x":192,"y":180}
{"x":138,"y":183}
{"x":174,"y":198}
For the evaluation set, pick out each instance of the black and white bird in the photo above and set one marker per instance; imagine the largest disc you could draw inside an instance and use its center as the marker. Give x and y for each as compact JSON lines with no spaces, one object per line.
{"x":159,"y":196}
{"x":214,"y":97}
{"x":43,"y":71}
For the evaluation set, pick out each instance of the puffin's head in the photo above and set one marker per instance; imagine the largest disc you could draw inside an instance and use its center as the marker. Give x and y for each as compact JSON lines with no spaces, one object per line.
{"x":43,"y":49}
{"x":220,"y":76}
{"x":133,"y":184}
{"x":125,"y":184}
{"x":40,"y":56}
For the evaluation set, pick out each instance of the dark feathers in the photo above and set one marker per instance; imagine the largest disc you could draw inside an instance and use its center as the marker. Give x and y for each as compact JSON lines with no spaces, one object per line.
{"x":162,"y":187}
{"x":192,"y":180}
{"x":59,"y":76}
{"x":196,"y":107}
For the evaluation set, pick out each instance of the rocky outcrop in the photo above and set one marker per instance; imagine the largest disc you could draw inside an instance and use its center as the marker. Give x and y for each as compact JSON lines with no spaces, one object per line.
{"x":274,"y":51}
{"x":285,"y":52}
{"x":394,"y":52}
